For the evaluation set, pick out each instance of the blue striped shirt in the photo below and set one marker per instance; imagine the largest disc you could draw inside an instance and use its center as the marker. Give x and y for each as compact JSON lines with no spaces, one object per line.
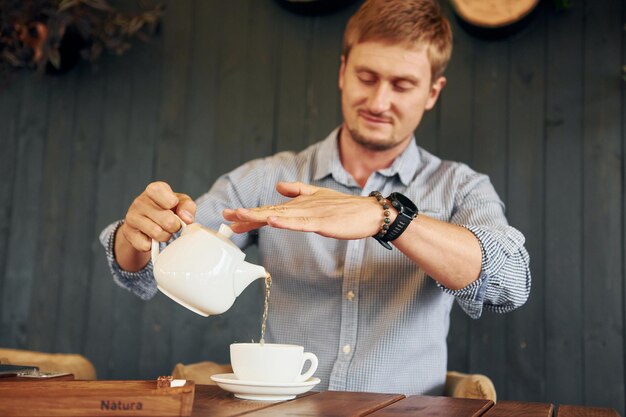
{"x":376,"y":321}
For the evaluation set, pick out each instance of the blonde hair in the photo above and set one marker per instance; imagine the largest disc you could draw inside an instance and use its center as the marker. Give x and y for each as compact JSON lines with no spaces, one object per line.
{"x":411,"y":22}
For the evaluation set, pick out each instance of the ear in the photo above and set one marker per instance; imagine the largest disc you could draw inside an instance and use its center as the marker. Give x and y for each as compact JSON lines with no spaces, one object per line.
{"x":342,"y":70}
{"x":435,"y":89}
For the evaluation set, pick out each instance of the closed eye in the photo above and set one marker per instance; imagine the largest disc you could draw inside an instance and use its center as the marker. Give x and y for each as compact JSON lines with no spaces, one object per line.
{"x":367,"y":78}
{"x":403,"y":85}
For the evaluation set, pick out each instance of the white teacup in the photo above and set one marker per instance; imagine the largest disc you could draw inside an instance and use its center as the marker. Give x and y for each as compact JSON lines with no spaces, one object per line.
{"x":271,"y":362}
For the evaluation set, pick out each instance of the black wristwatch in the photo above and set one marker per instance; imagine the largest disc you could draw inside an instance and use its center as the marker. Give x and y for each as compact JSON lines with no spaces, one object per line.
{"x":407,"y":211}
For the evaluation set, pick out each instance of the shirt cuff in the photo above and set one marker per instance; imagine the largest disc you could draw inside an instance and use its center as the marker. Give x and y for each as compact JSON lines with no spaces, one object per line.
{"x":472,"y":296}
{"x":140,"y":283}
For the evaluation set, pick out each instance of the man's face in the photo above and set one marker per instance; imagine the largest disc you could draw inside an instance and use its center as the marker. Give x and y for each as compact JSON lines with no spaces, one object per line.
{"x":385,"y":89}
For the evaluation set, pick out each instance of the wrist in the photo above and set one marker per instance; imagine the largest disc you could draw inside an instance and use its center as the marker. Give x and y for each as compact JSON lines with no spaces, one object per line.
{"x":125,"y":254}
{"x":398,"y":211}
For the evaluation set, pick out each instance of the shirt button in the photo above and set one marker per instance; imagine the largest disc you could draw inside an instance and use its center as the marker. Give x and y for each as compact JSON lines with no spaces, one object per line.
{"x":350,"y":295}
{"x":346,"y":349}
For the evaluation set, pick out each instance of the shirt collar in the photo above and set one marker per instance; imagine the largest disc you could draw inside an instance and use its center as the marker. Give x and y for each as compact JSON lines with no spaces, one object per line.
{"x":329,"y":163}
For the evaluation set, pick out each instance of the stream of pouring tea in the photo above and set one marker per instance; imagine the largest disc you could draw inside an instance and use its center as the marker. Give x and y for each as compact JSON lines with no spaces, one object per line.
{"x":268,"y":284}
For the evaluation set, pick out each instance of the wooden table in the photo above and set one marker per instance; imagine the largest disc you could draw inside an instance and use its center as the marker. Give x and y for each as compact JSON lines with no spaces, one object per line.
{"x":210,"y":400}
{"x":213,"y":401}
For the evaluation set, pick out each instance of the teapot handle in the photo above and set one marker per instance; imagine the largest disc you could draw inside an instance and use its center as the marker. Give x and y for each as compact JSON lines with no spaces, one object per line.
{"x":155,"y":245}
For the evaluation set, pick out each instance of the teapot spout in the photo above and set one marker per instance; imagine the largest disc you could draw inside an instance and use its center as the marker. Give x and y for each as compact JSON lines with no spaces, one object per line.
{"x":245,"y":274}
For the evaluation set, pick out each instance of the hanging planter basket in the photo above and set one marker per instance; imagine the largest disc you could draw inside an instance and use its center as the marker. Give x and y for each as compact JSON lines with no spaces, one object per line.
{"x":52,"y":36}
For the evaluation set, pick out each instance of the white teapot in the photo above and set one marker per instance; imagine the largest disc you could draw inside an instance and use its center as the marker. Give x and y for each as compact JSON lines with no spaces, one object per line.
{"x":203,"y":270}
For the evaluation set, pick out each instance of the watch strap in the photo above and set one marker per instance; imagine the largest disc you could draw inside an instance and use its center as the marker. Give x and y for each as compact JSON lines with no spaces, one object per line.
{"x":407,"y":211}
{"x":398,"y":226}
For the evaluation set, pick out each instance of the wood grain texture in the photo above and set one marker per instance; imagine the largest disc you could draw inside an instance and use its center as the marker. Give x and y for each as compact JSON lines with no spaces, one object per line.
{"x":525,"y":198}
{"x":518,"y":409}
{"x":602,"y":207}
{"x":14,"y":169}
{"x":95,"y":398}
{"x":231,"y":92}
{"x":435,"y":406}
{"x":577,"y":411}
{"x":323,"y":92}
{"x":563,"y":206}
{"x":294,"y":78}
{"x":79,"y":219}
{"x":210,"y":400}
{"x":332,"y":404}
{"x":56,"y":169}
{"x":493,"y":13}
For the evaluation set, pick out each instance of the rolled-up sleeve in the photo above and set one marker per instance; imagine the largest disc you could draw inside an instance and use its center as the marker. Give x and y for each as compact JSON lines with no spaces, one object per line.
{"x":140,"y":283}
{"x":504,"y":282}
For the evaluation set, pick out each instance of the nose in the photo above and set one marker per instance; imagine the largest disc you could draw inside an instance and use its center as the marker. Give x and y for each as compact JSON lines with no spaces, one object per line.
{"x":380,"y":99}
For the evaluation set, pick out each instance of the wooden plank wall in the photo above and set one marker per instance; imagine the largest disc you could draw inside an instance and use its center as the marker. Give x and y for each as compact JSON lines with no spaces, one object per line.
{"x":542,"y":113}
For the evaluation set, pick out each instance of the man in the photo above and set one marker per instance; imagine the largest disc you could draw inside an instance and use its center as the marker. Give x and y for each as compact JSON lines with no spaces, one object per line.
{"x":376,"y":318}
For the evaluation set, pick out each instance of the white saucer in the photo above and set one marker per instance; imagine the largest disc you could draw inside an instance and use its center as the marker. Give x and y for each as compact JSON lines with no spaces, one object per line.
{"x":263,"y":391}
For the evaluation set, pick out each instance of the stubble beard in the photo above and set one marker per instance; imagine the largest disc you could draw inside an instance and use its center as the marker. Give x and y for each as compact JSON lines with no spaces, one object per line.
{"x":371,"y":144}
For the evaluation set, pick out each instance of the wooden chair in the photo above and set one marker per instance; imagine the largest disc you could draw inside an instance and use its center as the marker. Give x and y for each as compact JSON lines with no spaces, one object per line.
{"x":461,"y":385}
{"x":74,"y":364}
{"x":458,"y":385}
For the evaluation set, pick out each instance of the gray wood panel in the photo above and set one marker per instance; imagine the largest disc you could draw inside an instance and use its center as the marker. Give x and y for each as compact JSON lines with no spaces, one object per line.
{"x":563,"y":207}
{"x":542,"y":113}
{"x":488,"y":352}
{"x":109,"y":205}
{"x":261,"y":81}
{"x":294,"y":73}
{"x":323,"y":91}
{"x":201,"y":114}
{"x":231,"y":95}
{"x":50,"y":254}
{"x":79,"y":216}
{"x":14,"y":308}
{"x":603,"y":321}
{"x":525,"y":195}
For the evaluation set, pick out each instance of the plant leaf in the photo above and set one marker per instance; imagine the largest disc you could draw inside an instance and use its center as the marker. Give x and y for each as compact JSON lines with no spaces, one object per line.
{"x":55,"y":58}
{"x":67,"y":4}
{"x":98,"y":5}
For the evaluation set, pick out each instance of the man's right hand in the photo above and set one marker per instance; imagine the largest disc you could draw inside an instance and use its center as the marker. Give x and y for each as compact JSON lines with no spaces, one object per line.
{"x":150,"y":216}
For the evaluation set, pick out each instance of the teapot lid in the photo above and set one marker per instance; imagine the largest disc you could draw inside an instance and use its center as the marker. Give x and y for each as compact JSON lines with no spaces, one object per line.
{"x":224,"y":233}
{"x":225,"y":230}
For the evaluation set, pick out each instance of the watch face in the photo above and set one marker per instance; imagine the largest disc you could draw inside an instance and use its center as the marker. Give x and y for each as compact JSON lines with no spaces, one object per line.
{"x":403,"y":204}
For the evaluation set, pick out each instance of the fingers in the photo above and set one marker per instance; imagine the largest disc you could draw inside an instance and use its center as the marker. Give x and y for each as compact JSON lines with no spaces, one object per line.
{"x":158,"y":225}
{"x":239,"y":224}
{"x":244,"y":227}
{"x":151,"y":215}
{"x":186,"y":208}
{"x":138,"y":240}
{"x":161,"y":193}
{"x":256,"y":215}
{"x":294,"y":189}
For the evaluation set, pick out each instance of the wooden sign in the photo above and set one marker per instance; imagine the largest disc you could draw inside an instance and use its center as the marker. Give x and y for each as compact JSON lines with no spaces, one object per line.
{"x":494,"y":18}
{"x":95,"y":398}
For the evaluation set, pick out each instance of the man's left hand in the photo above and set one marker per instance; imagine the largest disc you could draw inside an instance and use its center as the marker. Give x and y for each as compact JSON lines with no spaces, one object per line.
{"x":313,"y":209}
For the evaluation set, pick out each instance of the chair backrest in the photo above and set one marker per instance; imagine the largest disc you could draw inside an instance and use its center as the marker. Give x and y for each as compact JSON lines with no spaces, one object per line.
{"x":200,"y":372}
{"x":461,"y":385}
{"x":73,"y":363}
